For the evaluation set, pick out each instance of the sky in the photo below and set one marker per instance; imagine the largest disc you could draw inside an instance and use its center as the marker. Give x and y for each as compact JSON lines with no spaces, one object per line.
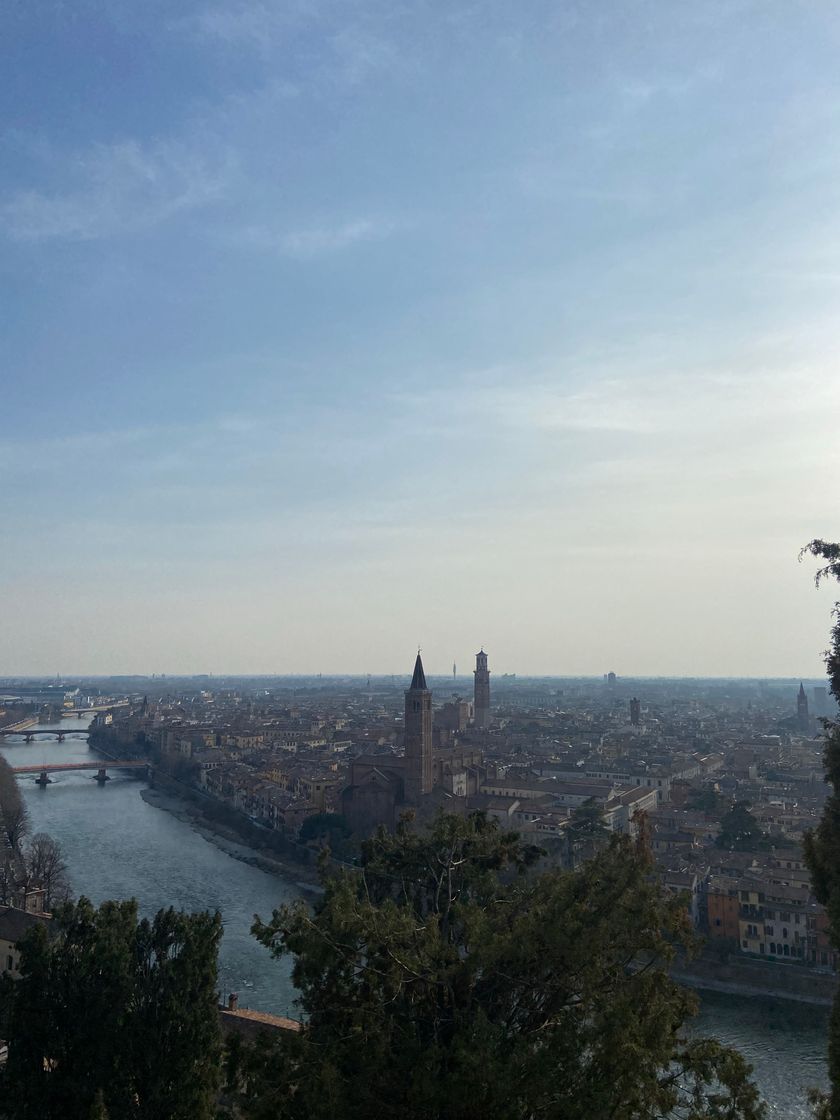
{"x":331,"y":328}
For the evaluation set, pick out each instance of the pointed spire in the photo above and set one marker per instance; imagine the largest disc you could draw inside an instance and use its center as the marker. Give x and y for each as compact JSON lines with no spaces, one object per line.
{"x":801,"y":689}
{"x":418,"y":681}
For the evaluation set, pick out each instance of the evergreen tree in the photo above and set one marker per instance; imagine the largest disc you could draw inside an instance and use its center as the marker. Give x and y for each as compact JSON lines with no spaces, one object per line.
{"x":588,"y":819}
{"x":446,"y":979}
{"x":112,"y":1009}
{"x":706,"y":800}
{"x":822,"y":847}
{"x":740,"y":831}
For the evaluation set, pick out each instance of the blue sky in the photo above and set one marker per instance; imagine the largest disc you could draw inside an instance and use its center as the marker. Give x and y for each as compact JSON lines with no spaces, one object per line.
{"x":329,"y":328}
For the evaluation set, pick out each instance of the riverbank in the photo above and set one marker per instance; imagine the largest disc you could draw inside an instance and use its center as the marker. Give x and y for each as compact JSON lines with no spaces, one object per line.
{"x":735,"y":976}
{"x":226,"y":839}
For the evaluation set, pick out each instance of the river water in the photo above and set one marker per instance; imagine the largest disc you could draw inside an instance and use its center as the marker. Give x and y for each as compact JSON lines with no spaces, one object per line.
{"x":117,"y":845}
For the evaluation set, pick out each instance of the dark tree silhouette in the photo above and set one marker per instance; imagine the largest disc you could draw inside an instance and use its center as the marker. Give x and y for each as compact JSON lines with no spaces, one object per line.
{"x":822,"y":846}
{"x":447,"y":979}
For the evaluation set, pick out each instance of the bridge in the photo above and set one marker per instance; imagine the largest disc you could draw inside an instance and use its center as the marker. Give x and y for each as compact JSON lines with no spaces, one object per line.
{"x":68,"y":713}
{"x":44,"y":770}
{"x":29,"y":733}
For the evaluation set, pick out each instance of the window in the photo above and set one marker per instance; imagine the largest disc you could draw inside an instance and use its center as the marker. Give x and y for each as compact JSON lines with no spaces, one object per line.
{"x":773,"y":948}
{"x":717,"y":921}
{"x":745,"y":944}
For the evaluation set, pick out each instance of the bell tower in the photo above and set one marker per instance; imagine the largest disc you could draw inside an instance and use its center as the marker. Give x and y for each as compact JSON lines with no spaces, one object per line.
{"x":802,"y":709}
{"x":418,"y":735}
{"x":481,"y":695}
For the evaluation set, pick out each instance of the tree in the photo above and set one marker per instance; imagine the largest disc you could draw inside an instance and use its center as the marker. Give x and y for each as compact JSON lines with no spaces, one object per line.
{"x":588,"y":819}
{"x":445,"y":978}
{"x":740,"y":831}
{"x":14,"y":819}
{"x":822,"y":846}
{"x":114,"y":1014}
{"x":706,"y":800}
{"x":328,"y":829}
{"x":587,"y":831}
{"x":46,"y":868}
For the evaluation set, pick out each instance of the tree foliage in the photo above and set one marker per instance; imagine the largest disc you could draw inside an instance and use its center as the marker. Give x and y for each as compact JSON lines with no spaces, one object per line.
{"x":740,"y":831}
{"x":446,"y":979}
{"x":14,"y":819}
{"x":46,"y":868}
{"x":706,"y":800}
{"x":822,"y":846}
{"x":329,"y":828}
{"x":588,"y":819}
{"x":114,"y":1017}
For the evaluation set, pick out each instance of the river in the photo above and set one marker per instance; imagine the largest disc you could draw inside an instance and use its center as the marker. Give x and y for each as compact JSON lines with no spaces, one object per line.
{"x":117,"y":845}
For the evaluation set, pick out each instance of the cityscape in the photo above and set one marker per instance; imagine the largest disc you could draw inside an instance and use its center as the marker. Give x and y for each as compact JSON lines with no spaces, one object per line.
{"x":303,"y":764}
{"x":419,"y":610}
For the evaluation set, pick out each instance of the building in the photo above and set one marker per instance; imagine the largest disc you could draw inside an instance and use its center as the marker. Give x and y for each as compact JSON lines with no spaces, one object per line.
{"x":14,"y":924}
{"x":422,"y":778}
{"x":482,"y":691}
{"x":418,"y":735}
{"x":635,"y":712}
{"x":802,"y":709}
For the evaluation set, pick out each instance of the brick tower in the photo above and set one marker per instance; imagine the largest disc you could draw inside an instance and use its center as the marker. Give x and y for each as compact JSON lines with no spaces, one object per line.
{"x":802,"y":709}
{"x":418,"y":735}
{"x":482,"y":690}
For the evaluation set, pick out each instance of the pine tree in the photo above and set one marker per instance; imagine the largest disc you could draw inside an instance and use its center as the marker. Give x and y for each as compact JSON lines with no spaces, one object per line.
{"x":446,"y":978}
{"x":740,"y":831}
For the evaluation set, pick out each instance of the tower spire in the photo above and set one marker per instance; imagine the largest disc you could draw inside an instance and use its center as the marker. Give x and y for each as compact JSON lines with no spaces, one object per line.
{"x":418,"y":735}
{"x":418,"y":681}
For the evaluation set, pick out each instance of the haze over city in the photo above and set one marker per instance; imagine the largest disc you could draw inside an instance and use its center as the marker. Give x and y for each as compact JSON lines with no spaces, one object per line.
{"x":335,"y":329}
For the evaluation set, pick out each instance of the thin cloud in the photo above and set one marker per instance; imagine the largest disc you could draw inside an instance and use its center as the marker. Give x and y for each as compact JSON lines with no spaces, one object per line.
{"x":116,"y":188}
{"x":313,"y":241}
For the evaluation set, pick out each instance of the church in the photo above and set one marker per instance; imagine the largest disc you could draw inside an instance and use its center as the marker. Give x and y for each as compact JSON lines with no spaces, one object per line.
{"x":424,"y":778}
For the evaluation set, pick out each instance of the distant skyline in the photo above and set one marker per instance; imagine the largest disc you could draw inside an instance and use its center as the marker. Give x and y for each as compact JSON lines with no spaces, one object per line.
{"x":329,"y":328}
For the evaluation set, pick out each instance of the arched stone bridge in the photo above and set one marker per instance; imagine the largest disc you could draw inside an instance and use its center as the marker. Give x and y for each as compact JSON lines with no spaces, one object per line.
{"x":43,"y":771}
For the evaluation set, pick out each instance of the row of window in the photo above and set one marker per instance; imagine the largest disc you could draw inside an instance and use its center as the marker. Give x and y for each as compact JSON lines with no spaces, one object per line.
{"x":781,"y":950}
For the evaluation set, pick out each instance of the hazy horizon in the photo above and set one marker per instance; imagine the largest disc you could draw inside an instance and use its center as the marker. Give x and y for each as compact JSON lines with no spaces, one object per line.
{"x":386,"y":674}
{"x":331,"y":328}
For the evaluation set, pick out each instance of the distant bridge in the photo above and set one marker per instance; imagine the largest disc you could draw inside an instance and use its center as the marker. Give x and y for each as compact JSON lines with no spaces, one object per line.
{"x":29,"y":733}
{"x":68,"y":713}
{"x":44,"y":771}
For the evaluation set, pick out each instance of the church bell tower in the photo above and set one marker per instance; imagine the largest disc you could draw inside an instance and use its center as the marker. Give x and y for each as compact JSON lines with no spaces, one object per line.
{"x":418,"y":735}
{"x":481,"y":694}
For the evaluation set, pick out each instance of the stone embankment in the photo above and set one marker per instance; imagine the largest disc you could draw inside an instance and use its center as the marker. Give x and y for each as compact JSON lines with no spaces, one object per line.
{"x":746,"y":977}
{"x":235,"y":833}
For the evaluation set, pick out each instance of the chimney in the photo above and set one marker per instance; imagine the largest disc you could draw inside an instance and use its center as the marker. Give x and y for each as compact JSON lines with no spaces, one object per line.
{"x":233,"y":1001}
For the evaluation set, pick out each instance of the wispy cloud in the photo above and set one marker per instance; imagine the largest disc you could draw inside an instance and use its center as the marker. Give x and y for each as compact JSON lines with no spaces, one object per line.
{"x":250,"y":25}
{"x":350,"y":45}
{"x":313,"y":241}
{"x":114,"y":189}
